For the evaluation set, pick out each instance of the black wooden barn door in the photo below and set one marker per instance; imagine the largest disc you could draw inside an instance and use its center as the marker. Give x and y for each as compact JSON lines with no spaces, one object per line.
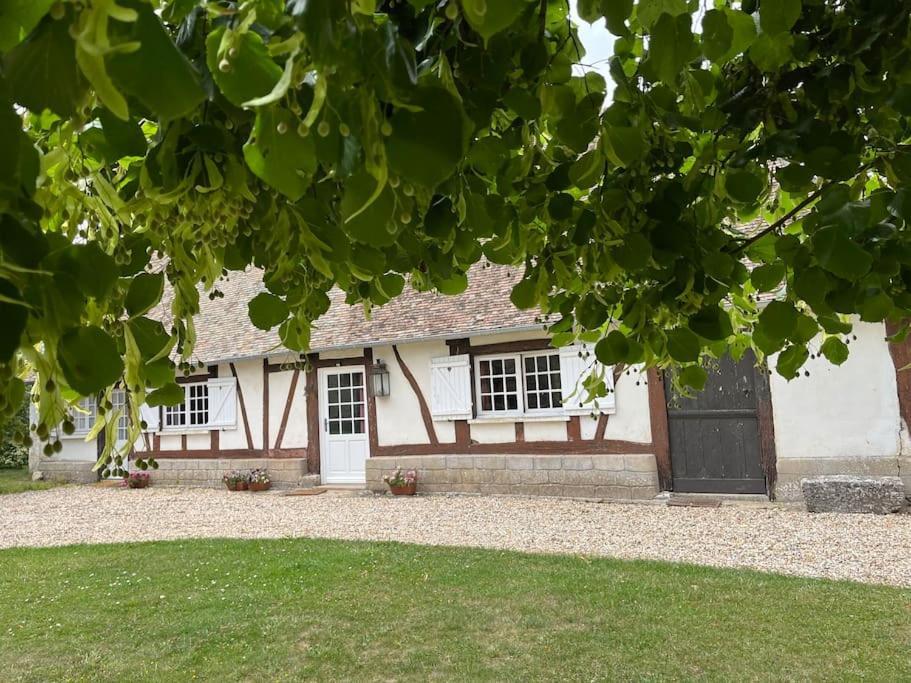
{"x":715,"y":436}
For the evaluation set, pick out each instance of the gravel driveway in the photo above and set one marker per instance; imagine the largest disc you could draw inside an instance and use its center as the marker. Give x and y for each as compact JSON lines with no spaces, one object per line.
{"x":875,"y":549}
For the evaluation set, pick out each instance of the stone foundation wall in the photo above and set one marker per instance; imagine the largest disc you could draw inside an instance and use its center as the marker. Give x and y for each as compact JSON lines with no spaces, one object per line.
{"x":71,"y":471}
{"x":614,"y":477}
{"x":284,"y":472}
{"x":792,"y":470}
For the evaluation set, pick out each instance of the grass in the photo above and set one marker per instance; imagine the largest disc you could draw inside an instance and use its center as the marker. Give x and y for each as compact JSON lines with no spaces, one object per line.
{"x":314,"y":609}
{"x":19,"y":479}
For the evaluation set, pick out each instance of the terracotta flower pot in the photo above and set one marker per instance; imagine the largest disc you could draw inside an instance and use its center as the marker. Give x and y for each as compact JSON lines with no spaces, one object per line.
{"x":404,"y":489}
{"x":260,"y":485}
{"x":137,"y":483}
{"x":241,"y":486}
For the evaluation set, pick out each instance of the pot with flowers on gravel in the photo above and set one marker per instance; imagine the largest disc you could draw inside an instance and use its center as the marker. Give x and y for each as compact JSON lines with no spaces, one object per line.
{"x":137,"y":480}
{"x":258,"y":480}
{"x":235,"y":480}
{"x":402,"y":483}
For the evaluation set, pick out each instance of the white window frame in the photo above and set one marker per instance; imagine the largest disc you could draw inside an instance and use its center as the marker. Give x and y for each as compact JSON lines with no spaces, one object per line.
{"x":89,"y":404}
{"x":558,"y":410}
{"x":522,"y":410}
{"x":184,"y":411}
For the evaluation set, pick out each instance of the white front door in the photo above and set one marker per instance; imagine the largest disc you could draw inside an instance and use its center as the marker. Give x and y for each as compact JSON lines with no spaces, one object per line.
{"x":343,"y":412}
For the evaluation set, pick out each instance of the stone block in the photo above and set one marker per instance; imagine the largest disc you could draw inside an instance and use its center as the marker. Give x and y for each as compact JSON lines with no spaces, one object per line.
{"x":850,"y":493}
{"x":613,"y":492}
{"x":643,"y":492}
{"x":432,"y":462}
{"x":577,"y":462}
{"x":495,"y":489}
{"x":474,"y":476}
{"x":490,"y":462}
{"x":579,"y":492}
{"x":640,"y":462}
{"x":457,"y":462}
{"x":608,"y":462}
{"x":571,"y":477}
{"x":519,"y":477}
{"x":520,"y":462}
{"x":548,"y":462}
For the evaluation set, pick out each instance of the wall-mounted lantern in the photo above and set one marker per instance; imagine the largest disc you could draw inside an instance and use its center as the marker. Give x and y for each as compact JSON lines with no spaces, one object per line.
{"x":379,"y":378}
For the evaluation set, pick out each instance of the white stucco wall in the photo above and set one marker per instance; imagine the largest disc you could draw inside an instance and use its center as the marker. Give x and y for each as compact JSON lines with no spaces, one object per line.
{"x":398,"y":415}
{"x":250,"y":382}
{"x":632,"y":421}
{"x":840,"y":411}
{"x":296,"y":430}
{"x":75,"y":448}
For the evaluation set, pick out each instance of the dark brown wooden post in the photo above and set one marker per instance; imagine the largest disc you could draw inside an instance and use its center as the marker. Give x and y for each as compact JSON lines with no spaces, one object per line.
{"x":657,"y":406}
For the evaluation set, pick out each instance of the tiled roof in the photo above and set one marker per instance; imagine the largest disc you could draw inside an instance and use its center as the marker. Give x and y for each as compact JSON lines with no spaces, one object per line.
{"x":224,"y":330}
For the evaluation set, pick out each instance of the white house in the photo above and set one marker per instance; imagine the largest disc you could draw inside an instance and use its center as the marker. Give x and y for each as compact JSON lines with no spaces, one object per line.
{"x":477,"y":400}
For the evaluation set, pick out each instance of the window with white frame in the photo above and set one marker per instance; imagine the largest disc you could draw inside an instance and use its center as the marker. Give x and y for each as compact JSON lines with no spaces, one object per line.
{"x":193,"y":411}
{"x":516,"y":384}
{"x":84,"y":418}
{"x":119,"y":401}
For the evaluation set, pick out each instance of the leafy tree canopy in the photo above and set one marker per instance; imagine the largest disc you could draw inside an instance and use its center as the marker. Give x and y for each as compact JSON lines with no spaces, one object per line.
{"x":745,"y":148}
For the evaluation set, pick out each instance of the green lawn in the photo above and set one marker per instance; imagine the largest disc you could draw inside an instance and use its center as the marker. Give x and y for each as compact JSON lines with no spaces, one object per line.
{"x":297,"y":609}
{"x":19,"y":480}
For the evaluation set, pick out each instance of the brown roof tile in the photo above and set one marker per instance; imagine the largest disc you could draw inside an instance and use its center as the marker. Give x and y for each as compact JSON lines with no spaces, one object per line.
{"x":224,"y":330}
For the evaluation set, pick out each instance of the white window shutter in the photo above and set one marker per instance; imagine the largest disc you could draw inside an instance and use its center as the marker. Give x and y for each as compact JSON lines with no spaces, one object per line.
{"x":577,"y":362}
{"x":450,"y":387}
{"x":150,"y":416}
{"x":222,"y":402}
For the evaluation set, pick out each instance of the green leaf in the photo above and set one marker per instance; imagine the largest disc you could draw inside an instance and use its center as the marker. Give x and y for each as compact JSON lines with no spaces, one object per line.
{"x":43,"y":73}
{"x":488,"y":17}
{"x":795,"y":178}
{"x":14,"y":319}
{"x":150,"y":336}
{"x":694,"y":377}
{"x":778,"y":16}
{"x":767,"y":278}
{"x":682,"y":345}
{"x":876,"y":307}
{"x":612,"y":349}
{"x":616,"y":12}
{"x":267,"y":310}
{"x":744,"y":32}
{"x":744,"y":186}
{"x":791,"y":360}
{"x":144,"y":293}
{"x":426,"y":146}
{"x":626,"y":143}
{"x":835,"y":350}
{"x":373,"y":225}
{"x":89,"y":359}
{"x":278,"y":154}
{"x":18,"y":18}
{"x":717,"y":34}
{"x":778,"y":319}
{"x":241,"y":65}
{"x":454,"y":284}
{"x":121,"y":138}
{"x":523,"y":103}
{"x":171,"y":394}
{"x":649,"y":11}
{"x":634,"y":253}
{"x":157,"y":74}
{"x":671,"y":46}
{"x":771,"y":53}
{"x":840,"y":255}
{"x":97,"y":271}
{"x":712,"y":323}
{"x":525,"y":294}
{"x":811,"y":285}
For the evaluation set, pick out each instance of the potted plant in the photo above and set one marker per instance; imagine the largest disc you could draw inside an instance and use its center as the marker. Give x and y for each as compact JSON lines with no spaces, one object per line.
{"x":402,"y":483}
{"x":235,"y":480}
{"x":258,"y":480}
{"x":137,"y":480}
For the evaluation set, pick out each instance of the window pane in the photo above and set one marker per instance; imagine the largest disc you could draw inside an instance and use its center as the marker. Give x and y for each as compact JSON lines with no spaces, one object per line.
{"x":496,"y":367}
{"x":345,"y":395}
{"x":346,"y":411}
{"x":542,"y":363}
{"x":357,"y":379}
{"x":510,"y":365}
{"x":498,"y":385}
{"x":486,"y":402}
{"x":499,"y":403}
{"x":532,"y":401}
{"x":556,"y":399}
{"x":358,"y":426}
{"x":513,"y":402}
{"x":333,"y":396}
{"x":334,"y":427}
{"x":347,"y":427}
{"x":333,"y":381}
{"x":345,"y":380}
{"x":333,"y":411}
{"x":555,"y":362}
{"x":510,"y":384}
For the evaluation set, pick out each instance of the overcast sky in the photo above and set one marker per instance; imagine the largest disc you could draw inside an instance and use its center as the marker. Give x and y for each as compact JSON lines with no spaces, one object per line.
{"x":597,"y":40}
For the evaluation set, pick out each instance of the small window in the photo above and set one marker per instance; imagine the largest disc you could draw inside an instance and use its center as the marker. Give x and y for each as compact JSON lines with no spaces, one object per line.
{"x":193,"y":412}
{"x":519,"y":384}
{"x":119,"y":401}
{"x":84,"y":418}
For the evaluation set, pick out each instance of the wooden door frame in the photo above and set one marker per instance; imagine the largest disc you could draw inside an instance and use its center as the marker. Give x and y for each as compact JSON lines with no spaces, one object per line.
{"x":321,"y":374}
{"x":660,"y":424}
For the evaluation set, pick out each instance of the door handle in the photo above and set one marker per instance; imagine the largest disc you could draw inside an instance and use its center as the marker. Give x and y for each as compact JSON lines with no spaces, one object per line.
{"x":325,"y":424}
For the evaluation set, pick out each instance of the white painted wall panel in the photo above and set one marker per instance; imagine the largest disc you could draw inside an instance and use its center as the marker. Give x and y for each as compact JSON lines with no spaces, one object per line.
{"x":552,"y":430}
{"x":250,"y":384}
{"x":632,"y":421}
{"x":840,"y":411}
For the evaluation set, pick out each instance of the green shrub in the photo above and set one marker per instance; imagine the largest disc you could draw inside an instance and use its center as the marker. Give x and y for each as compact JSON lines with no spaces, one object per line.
{"x":12,"y":451}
